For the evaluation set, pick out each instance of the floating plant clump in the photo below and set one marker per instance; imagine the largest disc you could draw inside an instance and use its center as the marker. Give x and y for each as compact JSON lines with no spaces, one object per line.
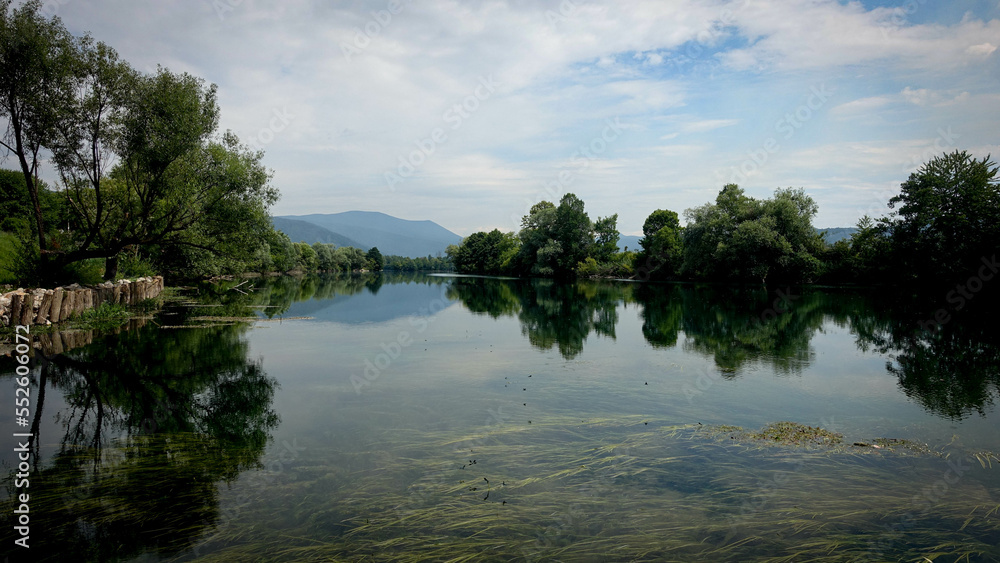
{"x":793,"y":434}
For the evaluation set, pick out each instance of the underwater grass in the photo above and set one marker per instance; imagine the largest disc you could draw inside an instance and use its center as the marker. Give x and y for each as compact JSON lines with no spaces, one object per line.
{"x":565,"y":490}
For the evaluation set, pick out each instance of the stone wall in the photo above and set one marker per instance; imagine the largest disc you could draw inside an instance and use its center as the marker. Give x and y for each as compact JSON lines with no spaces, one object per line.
{"x":47,"y":306}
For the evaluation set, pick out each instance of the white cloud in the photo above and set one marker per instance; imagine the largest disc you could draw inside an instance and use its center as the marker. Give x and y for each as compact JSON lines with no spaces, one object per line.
{"x":558,"y":80}
{"x":708,"y":125}
{"x":862,"y":105}
{"x":983,"y":49}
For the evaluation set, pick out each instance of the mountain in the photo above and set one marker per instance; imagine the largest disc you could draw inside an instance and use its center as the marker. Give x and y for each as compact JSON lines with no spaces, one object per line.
{"x":632,"y":242}
{"x":392,"y":236}
{"x":830,"y":235}
{"x":304,"y":231}
{"x":834,"y":234}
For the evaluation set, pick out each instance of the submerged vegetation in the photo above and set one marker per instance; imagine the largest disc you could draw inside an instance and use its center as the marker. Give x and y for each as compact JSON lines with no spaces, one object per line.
{"x":164,"y":451}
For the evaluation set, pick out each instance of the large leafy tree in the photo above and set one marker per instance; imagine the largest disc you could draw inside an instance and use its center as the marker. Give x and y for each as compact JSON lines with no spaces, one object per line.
{"x":375,"y":259}
{"x":574,"y":232}
{"x":945,"y":218}
{"x":536,"y":229}
{"x":36,"y":71}
{"x":660,"y":257}
{"x":485,"y":253}
{"x":142,"y":166}
{"x":606,"y":237}
{"x":743,"y":239}
{"x":555,"y":239}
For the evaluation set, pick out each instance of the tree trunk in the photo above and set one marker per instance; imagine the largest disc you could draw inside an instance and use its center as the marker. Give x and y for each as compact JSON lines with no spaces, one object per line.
{"x":111,"y":268}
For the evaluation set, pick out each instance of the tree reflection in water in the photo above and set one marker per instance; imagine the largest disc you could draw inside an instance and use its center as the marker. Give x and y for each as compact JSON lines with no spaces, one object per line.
{"x":952,"y":372}
{"x":154,"y":421}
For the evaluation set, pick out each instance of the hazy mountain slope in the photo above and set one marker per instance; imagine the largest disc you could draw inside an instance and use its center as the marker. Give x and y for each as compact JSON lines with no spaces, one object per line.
{"x":304,"y":231}
{"x":390,"y":234}
{"x":834,"y":234}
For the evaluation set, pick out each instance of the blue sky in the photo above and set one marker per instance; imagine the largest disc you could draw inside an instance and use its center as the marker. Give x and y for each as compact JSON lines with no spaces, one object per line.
{"x":466,"y":113}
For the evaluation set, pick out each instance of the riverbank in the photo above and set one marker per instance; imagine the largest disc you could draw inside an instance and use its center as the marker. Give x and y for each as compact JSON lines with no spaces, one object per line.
{"x":41,"y":306}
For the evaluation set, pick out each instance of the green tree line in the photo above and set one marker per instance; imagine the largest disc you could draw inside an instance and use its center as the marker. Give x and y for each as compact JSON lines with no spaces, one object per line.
{"x":288,"y":256}
{"x":941,"y":229}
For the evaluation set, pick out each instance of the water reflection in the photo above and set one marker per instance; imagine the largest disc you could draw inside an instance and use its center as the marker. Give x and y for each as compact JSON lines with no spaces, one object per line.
{"x":153,"y":420}
{"x":953,"y":372}
{"x":552,"y":314}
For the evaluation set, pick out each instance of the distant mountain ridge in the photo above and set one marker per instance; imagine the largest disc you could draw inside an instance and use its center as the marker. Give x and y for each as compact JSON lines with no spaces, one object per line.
{"x":304,"y":231}
{"x":831,"y":235}
{"x":392,"y":235}
{"x":834,"y":234}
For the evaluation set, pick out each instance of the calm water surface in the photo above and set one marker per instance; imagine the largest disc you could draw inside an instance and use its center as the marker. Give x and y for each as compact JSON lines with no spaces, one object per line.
{"x":450,"y":418}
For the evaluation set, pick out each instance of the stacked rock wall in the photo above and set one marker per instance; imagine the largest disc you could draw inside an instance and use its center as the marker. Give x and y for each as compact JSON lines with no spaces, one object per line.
{"x":46,"y":306}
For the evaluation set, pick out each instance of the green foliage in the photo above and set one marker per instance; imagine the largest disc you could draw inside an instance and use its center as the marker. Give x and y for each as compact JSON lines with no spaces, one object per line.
{"x":36,"y":79}
{"x":491,"y":253}
{"x":180,"y":197}
{"x":307,"y":257}
{"x":574,"y":232}
{"x":420,"y":264}
{"x":743,"y":239}
{"x":354,"y":259}
{"x":554,"y":240}
{"x":374,"y":259}
{"x":105,"y":316}
{"x":9,"y":248}
{"x":281,"y":250}
{"x":945,"y":219}
{"x":85,"y":272}
{"x":660,"y":257}
{"x":605,"y":238}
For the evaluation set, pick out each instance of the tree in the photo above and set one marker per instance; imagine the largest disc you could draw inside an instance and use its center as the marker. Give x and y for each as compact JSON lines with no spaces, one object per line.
{"x":352,"y":258}
{"x":536,"y":229}
{"x":307,"y":257}
{"x":945,"y":218}
{"x":142,"y":168}
{"x":660,"y":257}
{"x":35,"y":80}
{"x":374,"y":259}
{"x":554,"y":240}
{"x":743,"y":239}
{"x":708,"y":227}
{"x":606,"y":238}
{"x":83,"y":143}
{"x":485,"y":253}
{"x":574,"y":232}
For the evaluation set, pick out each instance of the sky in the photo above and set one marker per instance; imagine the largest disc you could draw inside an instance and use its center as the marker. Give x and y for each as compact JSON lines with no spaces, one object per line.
{"x":466,"y":113}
